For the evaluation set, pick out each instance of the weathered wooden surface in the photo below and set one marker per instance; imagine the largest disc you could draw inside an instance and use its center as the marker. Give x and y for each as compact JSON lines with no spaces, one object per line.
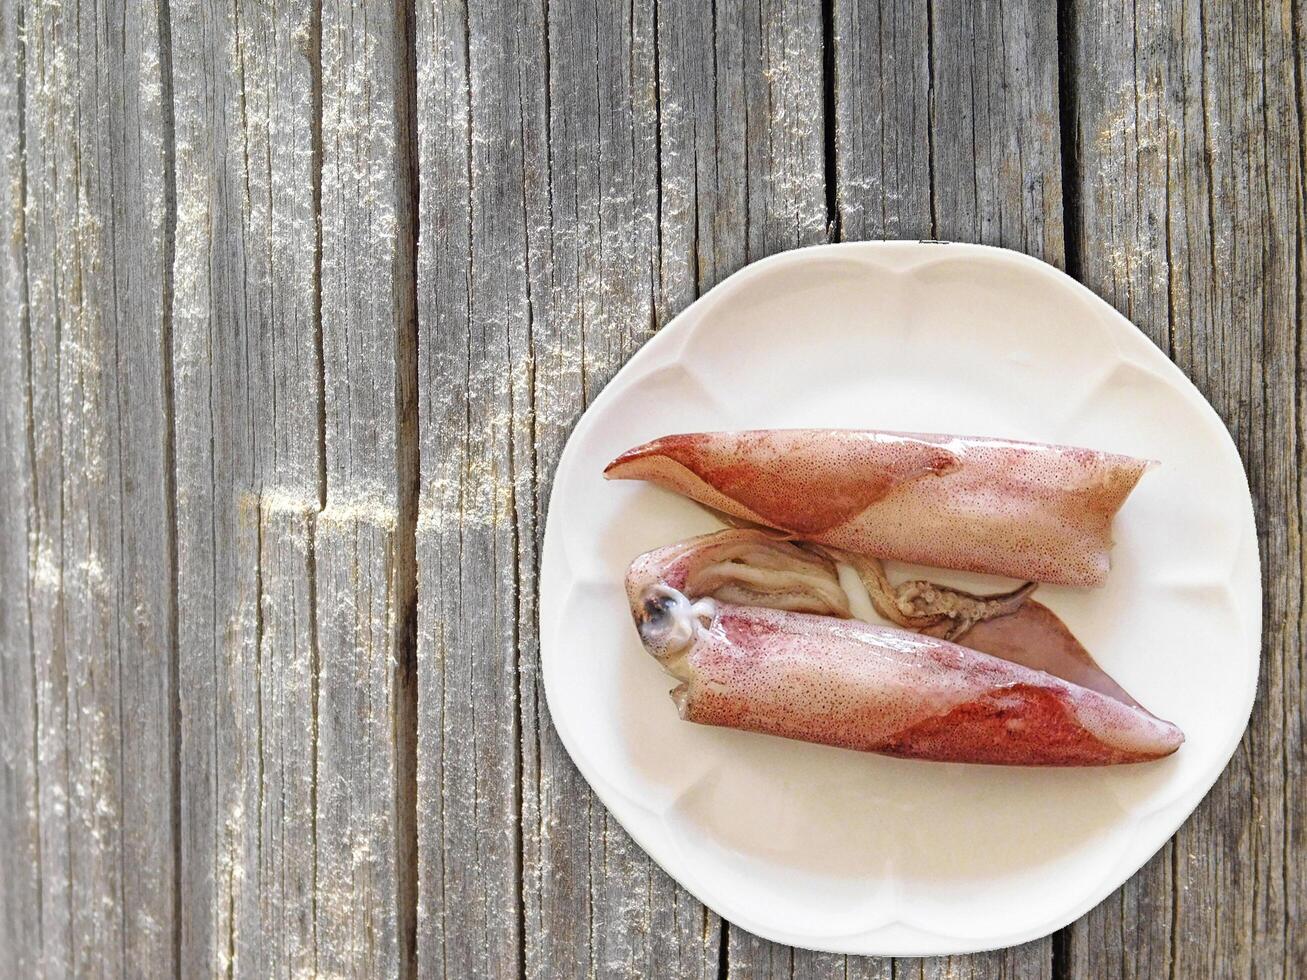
{"x":20,"y":818}
{"x":249,"y":462}
{"x":301,"y":303}
{"x":476,"y":456}
{"x":94,"y":492}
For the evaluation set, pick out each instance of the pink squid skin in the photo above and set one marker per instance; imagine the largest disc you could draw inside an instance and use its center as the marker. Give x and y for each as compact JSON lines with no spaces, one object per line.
{"x":1027,"y":510}
{"x":889,"y":691}
{"x":849,"y":684}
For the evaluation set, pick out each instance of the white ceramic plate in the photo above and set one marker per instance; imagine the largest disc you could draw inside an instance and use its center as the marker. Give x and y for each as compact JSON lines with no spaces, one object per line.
{"x":841,"y":851}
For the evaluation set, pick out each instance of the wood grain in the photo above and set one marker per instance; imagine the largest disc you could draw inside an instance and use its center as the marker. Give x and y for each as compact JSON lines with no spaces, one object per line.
{"x":883,"y":135}
{"x":704,"y":159}
{"x":364,"y":543}
{"x":98,"y":542}
{"x":516,"y":231}
{"x":270,"y":700}
{"x":741,"y":155}
{"x":478,"y":80}
{"x":249,"y":460}
{"x":996,"y":174}
{"x":20,"y":819}
{"x":946,"y":123}
{"x":1190,"y":144}
{"x":594,"y":254}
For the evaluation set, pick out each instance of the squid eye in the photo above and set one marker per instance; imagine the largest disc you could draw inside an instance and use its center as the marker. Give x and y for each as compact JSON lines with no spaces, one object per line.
{"x":658,"y":607}
{"x":666,"y":621}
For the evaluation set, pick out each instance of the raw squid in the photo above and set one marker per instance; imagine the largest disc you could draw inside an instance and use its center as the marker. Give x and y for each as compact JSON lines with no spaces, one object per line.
{"x":756,"y":631}
{"x":1031,"y":511}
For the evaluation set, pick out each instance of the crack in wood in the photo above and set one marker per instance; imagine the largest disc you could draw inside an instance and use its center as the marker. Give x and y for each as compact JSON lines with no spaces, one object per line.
{"x":170,"y":465}
{"x":930,"y":114}
{"x":409,"y":475}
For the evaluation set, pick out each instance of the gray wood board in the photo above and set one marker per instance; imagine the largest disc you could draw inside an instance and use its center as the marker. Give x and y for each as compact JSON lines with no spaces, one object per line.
{"x":248,"y":460}
{"x":293,"y":357}
{"x":92,"y":501}
{"x":20,"y":817}
{"x":365,"y":567}
{"x":567,"y":165}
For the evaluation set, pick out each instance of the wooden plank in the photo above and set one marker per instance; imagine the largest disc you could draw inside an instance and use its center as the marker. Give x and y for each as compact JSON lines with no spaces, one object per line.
{"x":883,"y":77}
{"x":947,"y":123}
{"x":46,"y":114}
{"x":752,"y":958}
{"x":740,"y":124}
{"x":20,"y":823}
{"x":277,"y":53}
{"x":1029,"y":962}
{"x":478,"y":84}
{"x":769,"y":146}
{"x":99,"y":565}
{"x":756,"y":74}
{"x":217,"y":583}
{"x":996,"y":174}
{"x":1190,"y":158}
{"x":248,"y":399}
{"x":725,"y":114}
{"x":364,"y":543}
{"x":281,"y":85}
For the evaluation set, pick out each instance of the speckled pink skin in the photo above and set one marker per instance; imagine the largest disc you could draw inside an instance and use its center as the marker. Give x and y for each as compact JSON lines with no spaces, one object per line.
{"x":1027,"y":510}
{"x":880,"y":689}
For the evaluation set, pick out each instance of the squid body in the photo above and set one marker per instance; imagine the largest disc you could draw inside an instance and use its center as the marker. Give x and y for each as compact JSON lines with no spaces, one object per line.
{"x":1028,"y":510}
{"x":758,"y":628}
